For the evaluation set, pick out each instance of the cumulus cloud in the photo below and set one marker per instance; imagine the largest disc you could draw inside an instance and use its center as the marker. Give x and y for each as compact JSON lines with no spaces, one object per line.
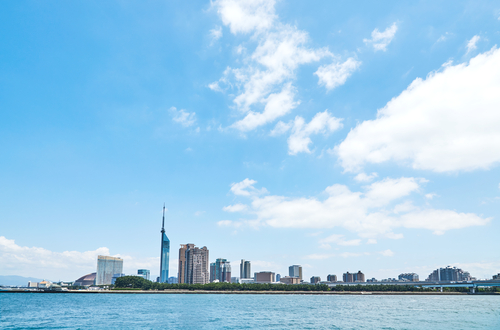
{"x":235,"y":208}
{"x":183,"y":117}
{"x":471,"y":45}
{"x":216,"y":34}
{"x":280,"y":128}
{"x":447,"y":122}
{"x":246,"y":16}
{"x":369,"y":213}
{"x":276,"y":105}
{"x":265,"y":81}
{"x":380,"y":40}
{"x":299,"y":140}
{"x":363,"y":177}
{"x":246,"y":188}
{"x":336,"y":74}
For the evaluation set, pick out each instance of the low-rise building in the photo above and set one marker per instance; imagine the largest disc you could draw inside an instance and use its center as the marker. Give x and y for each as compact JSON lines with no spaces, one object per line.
{"x":86,"y":280}
{"x":264,"y":277}
{"x":144,"y":273}
{"x":246,"y":280}
{"x":290,"y":280}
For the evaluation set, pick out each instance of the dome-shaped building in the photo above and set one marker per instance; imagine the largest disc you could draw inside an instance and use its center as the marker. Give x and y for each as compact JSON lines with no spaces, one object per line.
{"x":86,"y":280}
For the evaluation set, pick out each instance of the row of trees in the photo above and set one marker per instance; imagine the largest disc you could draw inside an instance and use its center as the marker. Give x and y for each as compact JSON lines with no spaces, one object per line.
{"x":136,"y":282}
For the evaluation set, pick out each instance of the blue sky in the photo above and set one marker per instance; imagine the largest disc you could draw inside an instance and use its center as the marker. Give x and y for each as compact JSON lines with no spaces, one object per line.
{"x":341,"y":136}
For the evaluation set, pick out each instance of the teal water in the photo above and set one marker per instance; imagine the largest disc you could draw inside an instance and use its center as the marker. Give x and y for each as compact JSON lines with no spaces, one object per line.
{"x":211,"y":311}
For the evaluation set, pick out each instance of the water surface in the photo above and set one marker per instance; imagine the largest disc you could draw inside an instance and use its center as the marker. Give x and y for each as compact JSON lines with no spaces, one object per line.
{"x":217,"y":311}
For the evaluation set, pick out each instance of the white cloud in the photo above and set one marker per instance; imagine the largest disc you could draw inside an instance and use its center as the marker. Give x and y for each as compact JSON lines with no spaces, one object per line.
{"x":471,"y":45}
{"x":246,"y":16}
{"x":380,"y":40}
{"x":447,"y":122}
{"x":246,"y":188}
{"x":387,"y":253}
{"x":299,"y":139}
{"x":444,"y":37}
{"x":370,"y":213}
{"x":183,"y":117}
{"x":235,"y":208}
{"x":67,"y":265}
{"x":280,"y":128}
{"x":319,"y":256}
{"x":363,"y":177}
{"x":336,"y":74}
{"x":216,"y":34}
{"x":276,"y":105}
{"x":430,"y":196}
{"x":265,"y":89}
{"x":339,"y":240}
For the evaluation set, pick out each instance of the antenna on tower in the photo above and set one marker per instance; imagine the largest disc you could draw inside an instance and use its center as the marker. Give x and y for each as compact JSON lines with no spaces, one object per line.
{"x":163,"y":220}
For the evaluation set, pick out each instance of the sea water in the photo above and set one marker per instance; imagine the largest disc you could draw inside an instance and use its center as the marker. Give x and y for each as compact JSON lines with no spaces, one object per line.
{"x":248,"y":311}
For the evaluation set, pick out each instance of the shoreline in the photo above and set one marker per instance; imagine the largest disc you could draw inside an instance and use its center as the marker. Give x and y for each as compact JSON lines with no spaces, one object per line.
{"x":380,"y":293}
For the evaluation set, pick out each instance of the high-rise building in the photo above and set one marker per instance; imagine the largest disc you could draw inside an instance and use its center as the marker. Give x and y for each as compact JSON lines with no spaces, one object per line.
{"x":182,"y":262}
{"x":411,"y":277}
{"x":264,"y":277}
{"x":359,"y":277}
{"x":278,"y":277}
{"x":245,"y":269}
{"x":295,"y":271}
{"x":220,"y":271}
{"x":448,"y":274}
{"x":196,"y":265}
{"x":348,"y":277}
{"x":212,"y":272}
{"x":315,"y":279}
{"x":106,"y":268}
{"x":144,"y":273}
{"x":165,"y":252}
{"x":331,"y":278}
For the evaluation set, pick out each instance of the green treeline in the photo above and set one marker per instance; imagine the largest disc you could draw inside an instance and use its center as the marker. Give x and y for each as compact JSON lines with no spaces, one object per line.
{"x":136,"y":282}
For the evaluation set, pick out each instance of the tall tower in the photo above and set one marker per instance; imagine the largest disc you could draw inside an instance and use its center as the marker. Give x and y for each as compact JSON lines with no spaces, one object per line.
{"x":165,"y":252}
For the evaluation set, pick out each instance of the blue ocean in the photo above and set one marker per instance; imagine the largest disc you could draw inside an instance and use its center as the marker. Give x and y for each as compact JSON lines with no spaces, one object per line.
{"x":234,"y":311}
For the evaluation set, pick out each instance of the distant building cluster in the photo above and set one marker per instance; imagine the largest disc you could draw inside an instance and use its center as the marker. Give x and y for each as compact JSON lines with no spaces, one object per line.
{"x":449,"y":274}
{"x":194,"y":268}
{"x":411,"y":277}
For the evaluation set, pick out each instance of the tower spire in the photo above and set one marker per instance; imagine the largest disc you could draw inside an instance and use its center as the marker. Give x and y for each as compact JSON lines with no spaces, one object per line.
{"x":165,"y":251}
{"x":163,"y":220}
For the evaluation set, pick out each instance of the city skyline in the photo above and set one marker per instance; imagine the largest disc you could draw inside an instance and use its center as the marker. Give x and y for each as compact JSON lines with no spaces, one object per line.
{"x":336,"y":136}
